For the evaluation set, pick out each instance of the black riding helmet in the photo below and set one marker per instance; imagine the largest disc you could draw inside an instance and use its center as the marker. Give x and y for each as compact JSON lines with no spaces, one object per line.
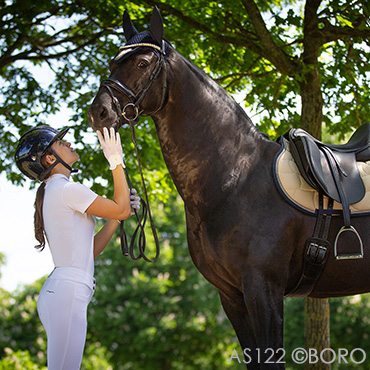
{"x":32,"y":146}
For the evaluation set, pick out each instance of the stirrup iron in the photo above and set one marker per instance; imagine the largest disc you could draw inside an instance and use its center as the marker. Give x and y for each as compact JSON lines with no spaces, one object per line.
{"x":348,"y":256}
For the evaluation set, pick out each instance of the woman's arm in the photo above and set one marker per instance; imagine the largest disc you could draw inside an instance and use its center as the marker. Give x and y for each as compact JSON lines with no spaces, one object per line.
{"x":119,"y":208}
{"x":103,"y":236}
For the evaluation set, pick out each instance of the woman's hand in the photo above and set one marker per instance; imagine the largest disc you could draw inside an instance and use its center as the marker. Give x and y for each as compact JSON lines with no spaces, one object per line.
{"x":119,"y":208}
{"x":134,"y":200}
{"x":112,"y":148}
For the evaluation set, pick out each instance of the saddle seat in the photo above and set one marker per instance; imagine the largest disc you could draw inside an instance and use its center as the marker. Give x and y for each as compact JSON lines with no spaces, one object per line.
{"x":332,"y":169}
{"x":359,"y":142}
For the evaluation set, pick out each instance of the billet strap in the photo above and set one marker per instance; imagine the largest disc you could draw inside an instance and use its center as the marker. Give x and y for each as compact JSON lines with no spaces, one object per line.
{"x":316,"y":252}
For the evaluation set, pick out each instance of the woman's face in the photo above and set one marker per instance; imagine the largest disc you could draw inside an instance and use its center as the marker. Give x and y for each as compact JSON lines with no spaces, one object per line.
{"x":65,"y":151}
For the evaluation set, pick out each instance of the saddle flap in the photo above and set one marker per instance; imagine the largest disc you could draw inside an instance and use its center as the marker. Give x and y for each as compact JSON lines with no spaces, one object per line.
{"x":351,"y":180}
{"x":325,"y":169}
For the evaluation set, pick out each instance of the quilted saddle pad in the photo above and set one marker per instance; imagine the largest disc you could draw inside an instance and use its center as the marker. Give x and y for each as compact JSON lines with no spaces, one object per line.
{"x":296,"y":190}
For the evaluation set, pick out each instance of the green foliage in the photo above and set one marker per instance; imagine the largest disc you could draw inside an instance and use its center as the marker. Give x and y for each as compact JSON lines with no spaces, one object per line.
{"x":293,"y":328}
{"x":19,"y":325}
{"x":349,"y":327}
{"x":54,"y":54}
{"x":166,"y":317}
{"x":19,"y":360}
{"x":2,"y":261}
{"x":254,"y":48}
{"x":350,"y":324}
{"x":95,"y":357}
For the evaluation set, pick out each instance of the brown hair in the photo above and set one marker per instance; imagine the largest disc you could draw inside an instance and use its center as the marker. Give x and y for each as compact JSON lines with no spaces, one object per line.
{"x":38,"y":217}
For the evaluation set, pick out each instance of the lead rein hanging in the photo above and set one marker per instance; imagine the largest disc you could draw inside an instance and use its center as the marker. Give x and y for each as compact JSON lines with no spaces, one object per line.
{"x":141,"y":220}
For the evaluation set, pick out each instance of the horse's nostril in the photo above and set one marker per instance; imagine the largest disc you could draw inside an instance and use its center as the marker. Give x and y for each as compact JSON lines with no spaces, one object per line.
{"x":103,"y":113}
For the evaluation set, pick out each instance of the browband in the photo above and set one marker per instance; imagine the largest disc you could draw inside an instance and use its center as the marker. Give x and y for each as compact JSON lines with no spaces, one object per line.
{"x":127,"y":48}
{"x":140,"y":44}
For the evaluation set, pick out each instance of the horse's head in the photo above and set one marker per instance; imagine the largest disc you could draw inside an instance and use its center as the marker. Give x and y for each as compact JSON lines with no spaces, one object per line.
{"x":133,"y":86}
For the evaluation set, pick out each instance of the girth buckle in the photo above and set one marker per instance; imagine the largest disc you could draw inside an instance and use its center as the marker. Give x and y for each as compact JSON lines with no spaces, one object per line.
{"x":316,"y":250}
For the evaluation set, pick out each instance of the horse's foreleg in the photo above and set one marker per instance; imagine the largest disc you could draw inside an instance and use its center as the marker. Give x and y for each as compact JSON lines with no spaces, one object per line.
{"x":264,"y":303}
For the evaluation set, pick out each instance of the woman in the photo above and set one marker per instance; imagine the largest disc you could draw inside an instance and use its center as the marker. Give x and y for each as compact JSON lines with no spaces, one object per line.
{"x":64,"y":212}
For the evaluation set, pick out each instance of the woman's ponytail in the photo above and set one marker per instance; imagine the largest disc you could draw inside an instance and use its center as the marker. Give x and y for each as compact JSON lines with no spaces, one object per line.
{"x":39,"y":220}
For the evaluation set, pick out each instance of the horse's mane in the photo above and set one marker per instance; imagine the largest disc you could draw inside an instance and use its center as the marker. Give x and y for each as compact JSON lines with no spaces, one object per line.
{"x":215,"y":86}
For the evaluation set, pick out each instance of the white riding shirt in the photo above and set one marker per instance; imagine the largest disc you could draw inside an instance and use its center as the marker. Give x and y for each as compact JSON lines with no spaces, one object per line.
{"x":69,"y":230}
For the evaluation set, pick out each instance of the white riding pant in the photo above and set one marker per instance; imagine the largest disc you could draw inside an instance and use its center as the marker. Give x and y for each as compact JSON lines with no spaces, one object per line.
{"x":62,"y":307}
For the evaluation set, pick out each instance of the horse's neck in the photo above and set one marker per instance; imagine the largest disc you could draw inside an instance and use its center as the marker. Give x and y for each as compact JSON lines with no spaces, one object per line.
{"x":207,"y":141}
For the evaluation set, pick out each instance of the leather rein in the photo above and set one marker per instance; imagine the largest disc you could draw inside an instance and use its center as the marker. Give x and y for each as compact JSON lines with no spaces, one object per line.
{"x":123,"y":113}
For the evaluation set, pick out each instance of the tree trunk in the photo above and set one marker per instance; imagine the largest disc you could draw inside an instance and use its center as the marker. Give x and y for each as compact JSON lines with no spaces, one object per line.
{"x":310,"y":84}
{"x":317,"y":322}
{"x":317,"y":333}
{"x":312,"y":103}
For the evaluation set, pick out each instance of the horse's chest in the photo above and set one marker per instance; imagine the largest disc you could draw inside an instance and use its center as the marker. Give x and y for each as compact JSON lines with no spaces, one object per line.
{"x":213,"y":252}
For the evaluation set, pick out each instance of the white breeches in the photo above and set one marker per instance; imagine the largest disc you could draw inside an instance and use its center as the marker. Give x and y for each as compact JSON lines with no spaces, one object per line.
{"x":62,"y":307}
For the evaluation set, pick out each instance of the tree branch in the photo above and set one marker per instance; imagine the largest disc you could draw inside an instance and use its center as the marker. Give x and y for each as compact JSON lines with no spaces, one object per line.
{"x":35,"y":53}
{"x":271,"y":51}
{"x":329,"y":33}
{"x":311,"y":33}
{"x":333,"y":33}
{"x":238,"y":40}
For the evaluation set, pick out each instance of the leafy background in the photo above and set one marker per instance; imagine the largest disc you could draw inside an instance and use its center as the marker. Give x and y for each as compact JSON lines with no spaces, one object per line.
{"x":289,"y":63}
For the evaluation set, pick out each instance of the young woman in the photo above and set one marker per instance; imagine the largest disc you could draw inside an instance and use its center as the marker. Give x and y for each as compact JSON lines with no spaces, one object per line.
{"x":64,"y":212}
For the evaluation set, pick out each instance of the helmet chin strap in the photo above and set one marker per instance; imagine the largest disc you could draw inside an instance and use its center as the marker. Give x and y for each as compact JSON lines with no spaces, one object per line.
{"x":46,"y":173}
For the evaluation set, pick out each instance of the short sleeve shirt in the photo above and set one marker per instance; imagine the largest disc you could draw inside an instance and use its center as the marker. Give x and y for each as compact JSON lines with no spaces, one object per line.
{"x":69,"y":230}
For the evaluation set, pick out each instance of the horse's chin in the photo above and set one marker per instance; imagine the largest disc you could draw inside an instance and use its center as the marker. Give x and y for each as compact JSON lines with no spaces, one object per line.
{"x":116,"y":125}
{"x":98,"y":126}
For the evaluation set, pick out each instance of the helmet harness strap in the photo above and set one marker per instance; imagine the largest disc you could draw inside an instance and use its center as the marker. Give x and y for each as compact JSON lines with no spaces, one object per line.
{"x":46,"y":173}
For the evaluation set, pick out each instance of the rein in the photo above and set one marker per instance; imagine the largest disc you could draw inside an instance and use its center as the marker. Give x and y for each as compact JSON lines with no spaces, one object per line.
{"x":134,"y":102}
{"x":139,"y":231}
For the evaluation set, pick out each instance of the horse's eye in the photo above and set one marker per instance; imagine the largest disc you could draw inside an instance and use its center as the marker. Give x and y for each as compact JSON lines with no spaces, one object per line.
{"x":143,"y":63}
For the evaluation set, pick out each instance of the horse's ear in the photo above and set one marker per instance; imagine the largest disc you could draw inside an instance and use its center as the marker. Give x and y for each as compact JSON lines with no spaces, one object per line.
{"x":128,"y":27}
{"x":156,"y":26}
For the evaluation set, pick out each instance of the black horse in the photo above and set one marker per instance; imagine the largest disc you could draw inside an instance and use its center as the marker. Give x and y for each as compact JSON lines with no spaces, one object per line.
{"x":243,"y":236}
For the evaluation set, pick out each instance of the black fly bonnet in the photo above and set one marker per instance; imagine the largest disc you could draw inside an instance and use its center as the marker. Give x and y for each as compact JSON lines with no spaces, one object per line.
{"x":136,"y":41}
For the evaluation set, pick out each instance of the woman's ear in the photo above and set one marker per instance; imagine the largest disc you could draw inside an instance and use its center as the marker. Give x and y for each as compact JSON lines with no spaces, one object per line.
{"x":50,"y":159}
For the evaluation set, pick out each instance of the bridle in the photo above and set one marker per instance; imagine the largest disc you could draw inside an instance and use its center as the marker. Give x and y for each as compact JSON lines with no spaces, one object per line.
{"x":135,"y":99}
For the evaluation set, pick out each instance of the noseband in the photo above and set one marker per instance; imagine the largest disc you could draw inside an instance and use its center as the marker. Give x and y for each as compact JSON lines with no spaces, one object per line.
{"x":136,"y":99}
